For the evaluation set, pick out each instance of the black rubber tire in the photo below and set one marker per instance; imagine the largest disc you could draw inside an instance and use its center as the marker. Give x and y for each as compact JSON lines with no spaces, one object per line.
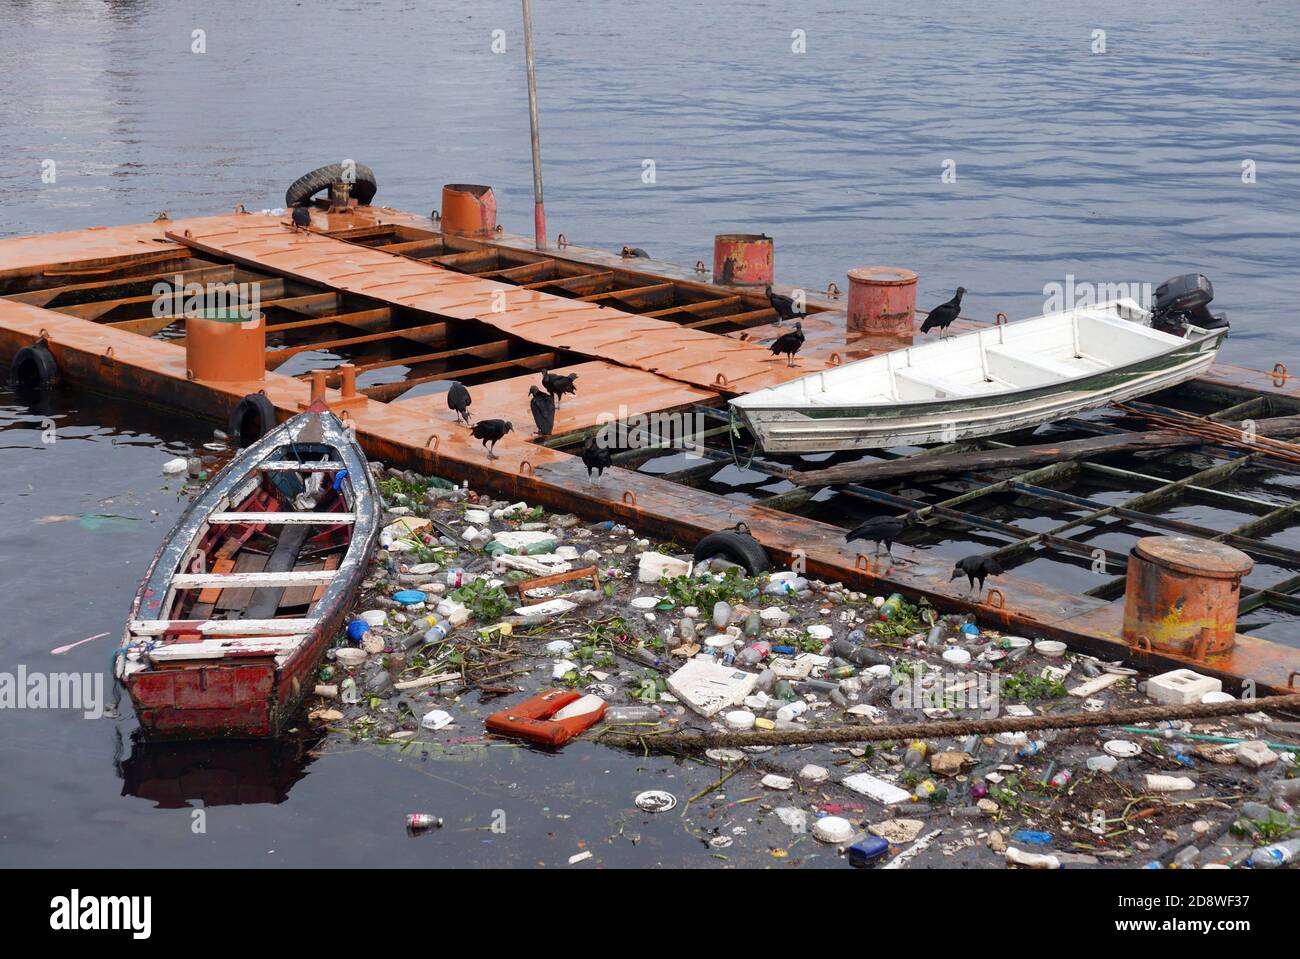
{"x":309,"y":184}
{"x":251,"y":419}
{"x":33,"y":368}
{"x":736,"y":545}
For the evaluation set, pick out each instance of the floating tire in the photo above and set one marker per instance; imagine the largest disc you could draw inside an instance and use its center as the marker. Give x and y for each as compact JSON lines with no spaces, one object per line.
{"x":34,"y":368}
{"x":251,"y":419}
{"x":308,"y":185}
{"x":737,"y":545}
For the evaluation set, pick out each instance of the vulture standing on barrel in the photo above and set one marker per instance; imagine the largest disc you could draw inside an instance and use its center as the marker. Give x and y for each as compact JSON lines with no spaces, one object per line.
{"x":784,"y":306}
{"x":458,"y":400}
{"x":557,"y":384}
{"x":976,"y":568}
{"x":882,"y":529}
{"x":596,"y":457}
{"x":789,"y":343}
{"x":490,"y":432}
{"x":543,"y":407}
{"x":943,"y":314}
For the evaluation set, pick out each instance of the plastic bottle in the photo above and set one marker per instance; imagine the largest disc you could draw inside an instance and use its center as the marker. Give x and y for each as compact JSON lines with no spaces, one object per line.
{"x":915,"y":755}
{"x":753,"y":624}
{"x":753,"y":654}
{"x":791,"y":711}
{"x":348,"y":692}
{"x":892,"y":606}
{"x":721,"y":614}
{"x":1031,"y":748}
{"x":633,"y":714}
{"x":858,"y":655}
{"x":455,"y":577}
{"x":1278,"y":854}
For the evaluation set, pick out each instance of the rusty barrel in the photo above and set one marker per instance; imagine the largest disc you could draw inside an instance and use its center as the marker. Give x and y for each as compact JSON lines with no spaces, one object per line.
{"x":1182,"y":593}
{"x":226,"y":345}
{"x":882,"y":299}
{"x":468,"y":209}
{"x":743,"y":259}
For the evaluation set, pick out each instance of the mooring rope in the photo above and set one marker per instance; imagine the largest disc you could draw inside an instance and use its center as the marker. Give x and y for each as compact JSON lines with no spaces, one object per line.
{"x":731,"y":435}
{"x":945,"y":728}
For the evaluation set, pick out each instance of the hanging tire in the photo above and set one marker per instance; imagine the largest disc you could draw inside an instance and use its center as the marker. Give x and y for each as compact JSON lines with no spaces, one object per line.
{"x":308,"y":185}
{"x":737,"y":545}
{"x":251,"y":419}
{"x":33,"y":368}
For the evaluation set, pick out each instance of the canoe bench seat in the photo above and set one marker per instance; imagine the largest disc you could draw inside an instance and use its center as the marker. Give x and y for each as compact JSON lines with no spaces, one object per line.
{"x":941,"y":387}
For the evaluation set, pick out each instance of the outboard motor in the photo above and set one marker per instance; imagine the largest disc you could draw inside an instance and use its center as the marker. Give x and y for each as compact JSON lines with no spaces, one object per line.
{"x":1185,"y":300}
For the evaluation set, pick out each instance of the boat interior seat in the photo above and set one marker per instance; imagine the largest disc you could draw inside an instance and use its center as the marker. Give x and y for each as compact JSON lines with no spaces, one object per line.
{"x":1052,"y":369}
{"x":938,"y":386}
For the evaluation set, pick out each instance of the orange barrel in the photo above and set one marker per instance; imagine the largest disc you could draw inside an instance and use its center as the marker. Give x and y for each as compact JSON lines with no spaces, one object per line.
{"x":226,"y":345}
{"x":882,"y":299}
{"x":1182,"y":594}
{"x":468,"y":209}
{"x":743,"y":259}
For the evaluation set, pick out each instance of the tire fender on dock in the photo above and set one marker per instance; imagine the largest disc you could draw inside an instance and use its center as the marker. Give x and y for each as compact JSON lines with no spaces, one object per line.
{"x":364,"y":187}
{"x":34,"y":367}
{"x":737,"y":545}
{"x":251,"y":419}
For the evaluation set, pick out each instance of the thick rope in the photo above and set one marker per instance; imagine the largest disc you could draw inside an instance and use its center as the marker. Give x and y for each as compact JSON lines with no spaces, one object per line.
{"x":944,"y":729}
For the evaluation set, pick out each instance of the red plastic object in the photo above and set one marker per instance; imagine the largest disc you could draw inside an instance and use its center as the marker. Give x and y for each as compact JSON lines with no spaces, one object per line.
{"x":531,"y":719}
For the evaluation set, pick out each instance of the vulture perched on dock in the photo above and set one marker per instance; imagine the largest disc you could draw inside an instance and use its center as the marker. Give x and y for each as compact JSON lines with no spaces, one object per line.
{"x":976,"y":568}
{"x":558,"y":384}
{"x":458,"y":400}
{"x":882,"y":529}
{"x":789,"y":343}
{"x":543,"y":407}
{"x":490,"y":432}
{"x":596,"y":457}
{"x":942,"y":315}
{"x":784,"y":306}
{"x":301,"y":218}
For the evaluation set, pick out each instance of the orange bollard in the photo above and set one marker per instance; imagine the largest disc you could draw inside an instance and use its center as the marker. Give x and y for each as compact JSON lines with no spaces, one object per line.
{"x":468,"y":209}
{"x":1182,"y":595}
{"x":743,"y":259}
{"x":223,"y":347}
{"x":882,"y":300}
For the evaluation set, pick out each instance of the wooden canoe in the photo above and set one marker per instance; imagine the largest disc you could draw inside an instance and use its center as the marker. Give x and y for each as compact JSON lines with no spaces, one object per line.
{"x":251,"y":584}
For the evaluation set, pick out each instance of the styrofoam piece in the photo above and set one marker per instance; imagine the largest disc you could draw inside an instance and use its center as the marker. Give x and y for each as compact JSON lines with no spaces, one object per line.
{"x":653,"y":567}
{"x":579,"y":707}
{"x":708,"y":687}
{"x":1181,"y":686}
{"x":877,"y":789}
{"x":552,"y":607}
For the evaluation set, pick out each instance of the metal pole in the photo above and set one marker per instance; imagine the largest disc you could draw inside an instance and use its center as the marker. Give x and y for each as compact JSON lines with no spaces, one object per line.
{"x":539,"y":211}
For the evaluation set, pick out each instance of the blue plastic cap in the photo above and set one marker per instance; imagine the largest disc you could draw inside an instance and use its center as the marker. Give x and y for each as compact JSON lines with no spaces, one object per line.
{"x":356,"y":629}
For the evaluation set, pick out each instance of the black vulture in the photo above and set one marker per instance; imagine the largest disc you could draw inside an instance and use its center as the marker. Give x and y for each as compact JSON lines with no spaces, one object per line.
{"x":558,"y":384}
{"x":784,"y":306}
{"x":789,"y":343}
{"x":943,"y":314}
{"x":301,"y":218}
{"x":976,"y":568}
{"x":543,"y":407}
{"x":458,"y":400}
{"x":490,"y":432}
{"x":596,"y":457}
{"x":882,"y":529}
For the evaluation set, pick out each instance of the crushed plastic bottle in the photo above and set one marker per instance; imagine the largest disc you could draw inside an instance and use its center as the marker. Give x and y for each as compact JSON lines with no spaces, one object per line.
{"x":1278,"y":854}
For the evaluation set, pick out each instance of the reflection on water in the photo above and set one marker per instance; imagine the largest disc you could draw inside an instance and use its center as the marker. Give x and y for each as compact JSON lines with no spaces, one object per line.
{"x":175,"y":775}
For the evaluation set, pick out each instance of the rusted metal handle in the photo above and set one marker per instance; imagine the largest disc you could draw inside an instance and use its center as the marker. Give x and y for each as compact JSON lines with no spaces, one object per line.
{"x":1141,"y":642}
{"x":862,"y":562}
{"x":1000,"y":319}
{"x":561,"y":241}
{"x":832,"y":291}
{"x":525,"y":468}
{"x":835,"y":359}
{"x":1279,"y":374}
{"x":433,"y":439}
{"x":700,"y":267}
{"x":629,"y":497}
{"x":1002,"y":599}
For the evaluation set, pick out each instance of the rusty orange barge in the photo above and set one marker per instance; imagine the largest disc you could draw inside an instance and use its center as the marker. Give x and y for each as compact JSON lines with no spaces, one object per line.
{"x":370,"y":309}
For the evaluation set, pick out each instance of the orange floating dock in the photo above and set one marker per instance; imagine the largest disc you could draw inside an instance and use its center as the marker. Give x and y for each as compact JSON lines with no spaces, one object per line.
{"x":410,"y":308}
